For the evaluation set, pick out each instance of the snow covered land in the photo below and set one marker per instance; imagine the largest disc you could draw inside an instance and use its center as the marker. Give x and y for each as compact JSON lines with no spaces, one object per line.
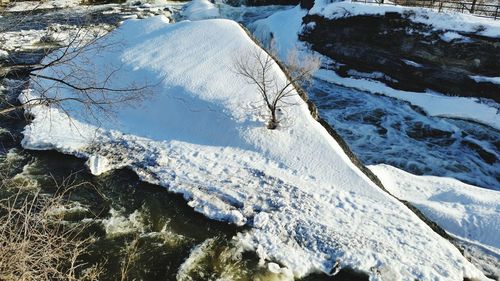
{"x":200,"y":9}
{"x":467,"y":212}
{"x":200,"y":134}
{"x":464,"y":210}
{"x":471,"y":214}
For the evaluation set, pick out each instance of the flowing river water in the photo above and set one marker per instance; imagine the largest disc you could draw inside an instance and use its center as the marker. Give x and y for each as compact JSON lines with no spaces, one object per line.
{"x":120,"y":209}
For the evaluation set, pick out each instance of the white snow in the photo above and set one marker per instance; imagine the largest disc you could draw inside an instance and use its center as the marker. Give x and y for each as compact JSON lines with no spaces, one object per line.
{"x":442,"y":21}
{"x":370,"y":75}
{"x":281,"y":29}
{"x":200,"y":9}
{"x":98,"y":164}
{"x":308,"y":207}
{"x":486,"y":79}
{"x":3,"y":54}
{"x":467,"y":211}
{"x":412,"y":63}
{"x":450,"y":36}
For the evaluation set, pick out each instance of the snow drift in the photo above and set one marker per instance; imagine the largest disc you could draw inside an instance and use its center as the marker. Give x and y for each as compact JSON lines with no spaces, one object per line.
{"x":307,"y":205}
{"x":465,"y":210}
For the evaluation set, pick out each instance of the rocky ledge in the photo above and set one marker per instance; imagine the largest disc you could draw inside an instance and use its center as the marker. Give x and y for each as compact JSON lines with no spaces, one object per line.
{"x":407,"y":55}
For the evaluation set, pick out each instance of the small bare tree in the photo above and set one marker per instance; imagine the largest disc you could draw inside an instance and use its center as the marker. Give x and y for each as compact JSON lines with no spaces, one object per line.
{"x":260,"y":69}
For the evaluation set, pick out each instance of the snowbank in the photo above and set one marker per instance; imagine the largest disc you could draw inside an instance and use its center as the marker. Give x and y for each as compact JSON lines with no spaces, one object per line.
{"x":467,"y":211}
{"x":442,"y":21}
{"x":307,"y":205}
{"x":282,"y":28}
{"x":200,"y":9}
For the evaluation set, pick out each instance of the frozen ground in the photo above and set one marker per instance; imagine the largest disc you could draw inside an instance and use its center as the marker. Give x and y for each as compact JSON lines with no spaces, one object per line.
{"x":200,"y":9}
{"x":465,"y":210}
{"x":198,"y":135}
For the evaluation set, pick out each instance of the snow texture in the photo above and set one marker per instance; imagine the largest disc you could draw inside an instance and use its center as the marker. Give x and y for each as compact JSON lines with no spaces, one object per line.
{"x":307,"y":206}
{"x":470,"y":214}
{"x":467,"y":211}
{"x":200,"y":9}
{"x":450,"y":36}
{"x":3,"y":54}
{"x":412,"y":63}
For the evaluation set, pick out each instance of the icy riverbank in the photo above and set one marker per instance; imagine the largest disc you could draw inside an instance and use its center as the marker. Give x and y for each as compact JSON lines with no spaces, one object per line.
{"x":468,"y":212}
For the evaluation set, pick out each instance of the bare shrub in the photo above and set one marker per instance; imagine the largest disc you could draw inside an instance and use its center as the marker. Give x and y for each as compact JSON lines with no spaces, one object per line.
{"x":260,"y":69}
{"x":36,"y":242}
{"x":69,"y":74}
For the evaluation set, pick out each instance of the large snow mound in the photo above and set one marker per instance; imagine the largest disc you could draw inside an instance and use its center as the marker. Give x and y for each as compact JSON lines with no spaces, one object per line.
{"x":464,"y":210}
{"x":200,"y":9}
{"x":307,"y":205}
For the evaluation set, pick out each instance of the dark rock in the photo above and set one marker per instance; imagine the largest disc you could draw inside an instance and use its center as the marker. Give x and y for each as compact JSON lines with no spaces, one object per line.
{"x":345,"y":274}
{"x":488,"y":157}
{"x":306,"y":4}
{"x":382,"y":43}
{"x":271,"y":2}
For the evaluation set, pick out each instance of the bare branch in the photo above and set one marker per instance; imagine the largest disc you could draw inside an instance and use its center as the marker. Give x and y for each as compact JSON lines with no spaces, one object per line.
{"x":259,"y":69}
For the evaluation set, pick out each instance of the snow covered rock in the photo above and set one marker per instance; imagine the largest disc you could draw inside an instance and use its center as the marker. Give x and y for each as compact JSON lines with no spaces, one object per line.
{"x":200,"y":9}
{"x":308,"y":207}
{"x":469,"y":213}
{"x":3,"y":54}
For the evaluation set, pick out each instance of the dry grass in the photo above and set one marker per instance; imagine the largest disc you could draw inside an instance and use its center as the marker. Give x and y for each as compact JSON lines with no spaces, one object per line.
{"x":36,"y":242}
